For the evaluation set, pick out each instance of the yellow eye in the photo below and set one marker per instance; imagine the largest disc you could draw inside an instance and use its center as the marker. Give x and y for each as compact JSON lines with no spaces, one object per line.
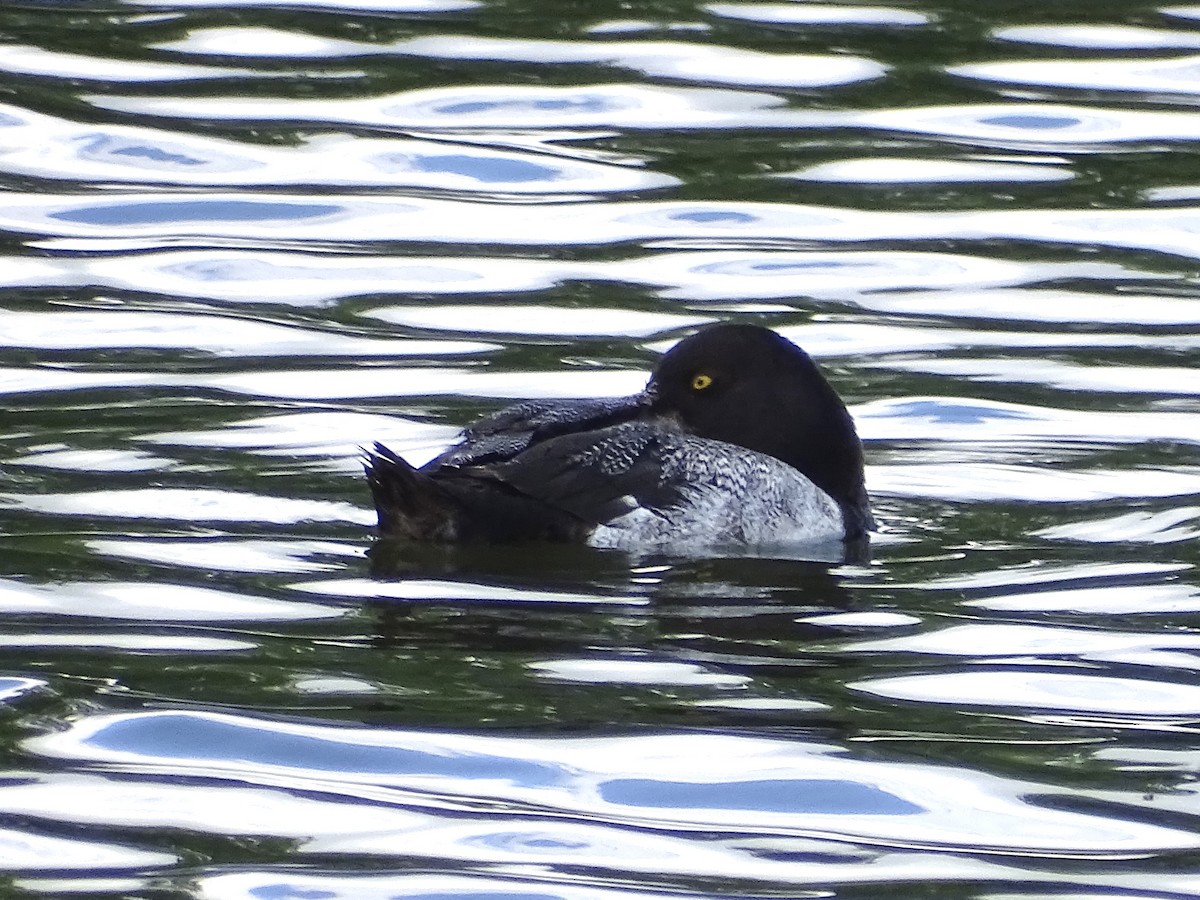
{"x":701,"y":382}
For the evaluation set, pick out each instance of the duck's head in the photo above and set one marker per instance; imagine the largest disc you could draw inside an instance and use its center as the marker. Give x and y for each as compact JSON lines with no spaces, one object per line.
{"x":748,"y":385}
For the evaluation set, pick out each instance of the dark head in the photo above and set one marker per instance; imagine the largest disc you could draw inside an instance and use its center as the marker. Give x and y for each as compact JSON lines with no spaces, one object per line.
{"x":747,"y":385}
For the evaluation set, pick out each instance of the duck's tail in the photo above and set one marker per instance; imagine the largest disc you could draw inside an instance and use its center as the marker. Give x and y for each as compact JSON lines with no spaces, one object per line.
{"x":449,"y":505}
{"x":409,"y":503}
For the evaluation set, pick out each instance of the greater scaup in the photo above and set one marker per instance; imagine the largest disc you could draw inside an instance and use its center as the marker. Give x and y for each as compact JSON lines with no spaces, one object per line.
{"x":737,"y":438}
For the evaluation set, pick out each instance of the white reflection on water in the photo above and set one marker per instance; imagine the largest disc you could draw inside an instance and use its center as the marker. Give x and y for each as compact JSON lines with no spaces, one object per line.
{"x":196,"y":506}
{"x":929,"y":171}
{"x":327,"y":435}
{"x":1040,"y":305}
{"x":892,"y":281}
{"x":27,"y":851}
{"x":981,"y":481}
{"x":1017,"y":689}
{"x":1100,"y":37}
{"x":229,"y":554}
{"x":817,"y":14}
{"x":1164,"y":527}
{"x":887,"y":870}
{"x":12,"y":688}
{"x":50,"y":147}
{"x":379,"y":6}
{"x":1145,"y":380}
{"x":1038,"y":572}
{"x":991,"y":639}
{"x":427,"y":382}
{"x":156,"y":219}
{"x":1030,"y":125}
{"x":152,"y":602}
{"x":264,"y":276}
{"x":39,"y":61}
{"x":123,"y":643}
{"x":660,"y":59}
{"x":327,"y":384}
{"x":59,"y":457}
{"x":211,"y":333}
{"x":427,"y":590}
{"x":497,"y":107}
{"x":1111,"y":600}
{"x":1024,"y":125}
{"x":1163,"y":76}
{"x":970,"y":420}
{"x":635,"y":671}
{"x":540,"y":320}
{"x":672,"y":783}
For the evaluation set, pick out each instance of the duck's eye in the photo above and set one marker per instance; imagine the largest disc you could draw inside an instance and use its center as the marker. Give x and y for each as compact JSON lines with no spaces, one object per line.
{"x":701,"y":382}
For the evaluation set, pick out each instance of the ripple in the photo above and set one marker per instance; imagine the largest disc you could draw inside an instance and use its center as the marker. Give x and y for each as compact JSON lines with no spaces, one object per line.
{"x":53,"y":148}
{"x":255,"y":885}
{"x":1095,"y":694}
{"x":1181,"y":12}
{"x":94,"y":460}
{"x":151,"y":219}
{"x":1171,"y":76}
{"x":354,"y":382}
{"x":731,"y":274}
{"x":92,"y":641}
{"x":209,"y":333}
{"x":1032,"y":125}
{"x":817,"y":14}
{"x":862,"y":620}
{"x":1050,"y":642}
{"x":991,"y":423}
{"x":128,"y":803}
{"x":152,"y":602}
{"x":1021,"y":576}
{"x":1099,"y":37}
{"x":885,"y":170}
{"x":328,"y":384}
{"x":26,"y":851}
{"x":1111,"y":600}
{"x":20,"y":60}
{"x":425,"y":590}
{"x":227,"y":554}
{"x":324,"y":435}
{"x":12,"y":688}
{"x":671,"y":783}
{"x":512,"y":319}
{"x":489,"y":106}
{"x":635,"y":672}
{"x":380,"y":6}
{"x":195,"y":506}
{"x":1041,"y":305}
{"x":691,"y":62}
{"x":303,"y":279}
{"x":986,"y":482}
{"x":21,"y":381}
{"x":873,"y":342}
{"x":1148,"y":380}
{"x":1166,"y":527}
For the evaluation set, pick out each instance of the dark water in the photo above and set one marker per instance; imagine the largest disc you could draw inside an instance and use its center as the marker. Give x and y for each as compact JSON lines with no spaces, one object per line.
{"x":243,"y":238}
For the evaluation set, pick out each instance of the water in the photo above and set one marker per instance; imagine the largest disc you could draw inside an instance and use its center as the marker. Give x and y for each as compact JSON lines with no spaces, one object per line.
{"x":243,"y":238}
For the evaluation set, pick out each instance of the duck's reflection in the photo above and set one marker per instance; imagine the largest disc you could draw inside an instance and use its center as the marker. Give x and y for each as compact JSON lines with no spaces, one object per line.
{"x":578,"y":614}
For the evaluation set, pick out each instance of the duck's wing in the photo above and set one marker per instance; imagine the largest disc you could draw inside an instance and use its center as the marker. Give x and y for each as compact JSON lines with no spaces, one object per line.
{"x":644,"y":483}
{"x":595,"y":475}
{"x":514,"y":429}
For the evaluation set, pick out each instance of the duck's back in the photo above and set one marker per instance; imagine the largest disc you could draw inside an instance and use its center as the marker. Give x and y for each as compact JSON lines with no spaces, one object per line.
{"x":514,"y":429}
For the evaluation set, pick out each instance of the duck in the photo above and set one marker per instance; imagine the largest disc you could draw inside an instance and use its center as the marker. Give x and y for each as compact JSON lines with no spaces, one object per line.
{"x":737,"y":438}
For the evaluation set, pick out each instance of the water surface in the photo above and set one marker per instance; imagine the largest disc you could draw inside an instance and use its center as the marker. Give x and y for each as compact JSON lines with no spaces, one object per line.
{"x":244,"y":238}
